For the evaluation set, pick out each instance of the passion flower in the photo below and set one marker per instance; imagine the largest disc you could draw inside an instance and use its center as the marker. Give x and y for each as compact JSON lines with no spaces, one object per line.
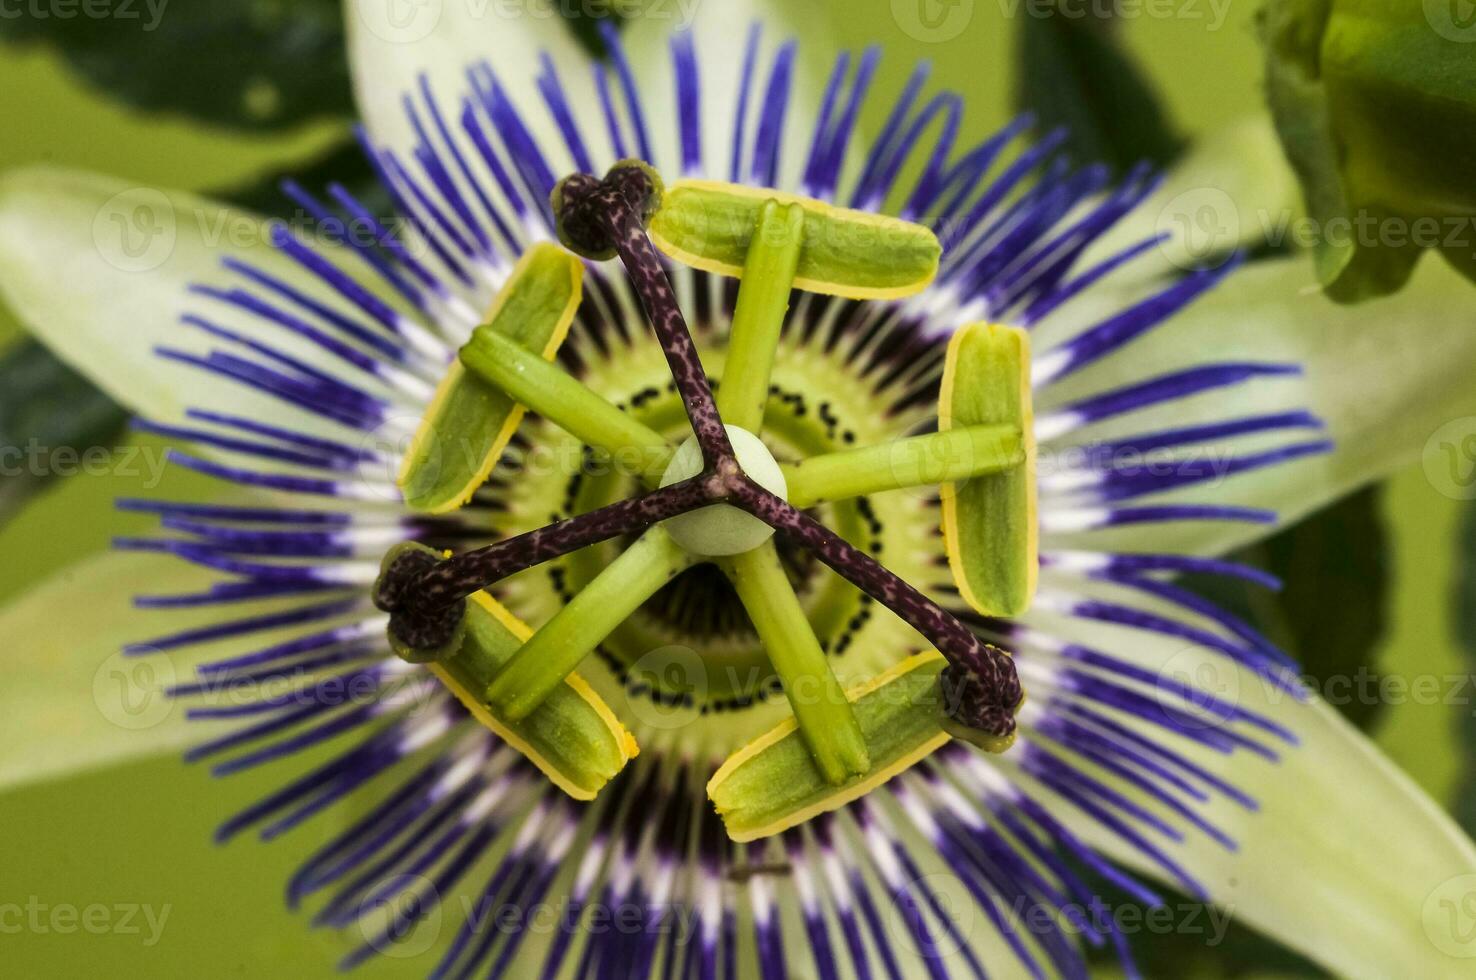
{"x":568,"y":700}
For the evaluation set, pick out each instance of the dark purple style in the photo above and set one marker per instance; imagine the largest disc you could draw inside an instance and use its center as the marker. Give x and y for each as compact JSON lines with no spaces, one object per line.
{"x":598,"y":218}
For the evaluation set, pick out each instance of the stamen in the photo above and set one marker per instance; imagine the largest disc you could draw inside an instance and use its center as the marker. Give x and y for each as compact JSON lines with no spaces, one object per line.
{"x":985,"y":690}
{"x":425,"y":597}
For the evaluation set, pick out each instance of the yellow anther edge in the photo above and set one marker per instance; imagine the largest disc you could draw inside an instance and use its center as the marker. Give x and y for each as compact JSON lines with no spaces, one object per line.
{"x":949,"y":492}
{"x":628,"y":745}
{"x":456,"y":372}
{"x":810,"y":205}
{"x":849,"y":793}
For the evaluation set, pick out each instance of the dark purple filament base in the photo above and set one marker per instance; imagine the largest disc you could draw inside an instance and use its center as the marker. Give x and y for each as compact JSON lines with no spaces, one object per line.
{"x":599,"y":219}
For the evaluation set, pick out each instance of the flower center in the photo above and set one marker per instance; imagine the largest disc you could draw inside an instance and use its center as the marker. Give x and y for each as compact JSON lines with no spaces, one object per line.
{"x":524,"y":683}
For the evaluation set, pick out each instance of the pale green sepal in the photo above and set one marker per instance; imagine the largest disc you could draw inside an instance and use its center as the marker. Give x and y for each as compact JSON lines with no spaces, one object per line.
{"x":1391,"y":378}
{"x":98,"y":269}
{"x":72,"y":701}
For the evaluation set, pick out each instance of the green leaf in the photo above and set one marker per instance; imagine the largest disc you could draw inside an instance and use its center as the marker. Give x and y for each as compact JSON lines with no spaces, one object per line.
{"x":49,"y":417}
{"x":1334,"y":604}
{"x":1072,"y":72}
{"x":1375,"y":102}
{"x":1464,"y":595}
{"x":268,"y":64}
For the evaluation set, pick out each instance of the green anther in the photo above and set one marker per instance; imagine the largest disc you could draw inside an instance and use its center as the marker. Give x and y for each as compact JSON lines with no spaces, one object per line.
{"x":771,"y":785}
{"x":855,"y":254}
{"x":568,"y":403}
{"x":990,"y":529}
{"x":573,"y":737}
{"x":830,"y":731}
{"x":538,"y":669}
{"x":917,"y":461}
{"x":470,"y":422}
{"x":758,"y":318}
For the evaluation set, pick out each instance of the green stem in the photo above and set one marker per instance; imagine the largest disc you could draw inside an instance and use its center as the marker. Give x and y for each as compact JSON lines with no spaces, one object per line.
{"x":558,"y":648}
{"x":567,"y":402}
{"x":826,"y":718}
{"x":758,"y":319}
{"x":926,"y":460}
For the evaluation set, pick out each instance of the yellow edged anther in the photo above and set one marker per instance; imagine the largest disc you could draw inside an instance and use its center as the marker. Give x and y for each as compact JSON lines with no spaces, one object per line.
{"x":470,"y":422}
{"x":856,"y":254}
{"x":990,"y":528}
{"x":572,"y":737}
{"x":771,"y":784}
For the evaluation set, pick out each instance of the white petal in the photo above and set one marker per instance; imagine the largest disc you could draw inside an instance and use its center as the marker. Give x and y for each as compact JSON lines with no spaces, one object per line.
{"x":441,"y":39}
{"x":71,"y":701}
{"x":1347,"y":860}
{"x":720,"y":32}
{"x":1386,"y":376}
{"x":98,"y":269}
{"x":391,"y":45}
{"x":1232,"y":189}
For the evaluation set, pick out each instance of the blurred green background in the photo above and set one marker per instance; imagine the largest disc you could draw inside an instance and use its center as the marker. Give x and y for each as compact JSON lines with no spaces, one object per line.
{"x":142,"y":833}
